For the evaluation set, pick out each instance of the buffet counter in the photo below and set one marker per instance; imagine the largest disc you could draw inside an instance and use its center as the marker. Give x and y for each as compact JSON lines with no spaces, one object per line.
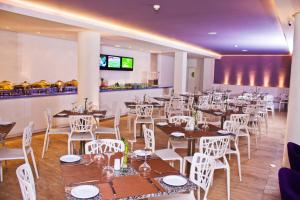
{"x":23,"y":110}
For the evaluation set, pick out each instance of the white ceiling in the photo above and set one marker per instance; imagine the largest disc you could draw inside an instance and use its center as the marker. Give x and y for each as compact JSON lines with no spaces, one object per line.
{"x":25,"y":24}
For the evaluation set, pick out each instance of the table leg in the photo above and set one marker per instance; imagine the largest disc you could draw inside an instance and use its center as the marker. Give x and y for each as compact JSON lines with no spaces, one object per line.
{"x":191,"y":151}
{"x":82,"y":148}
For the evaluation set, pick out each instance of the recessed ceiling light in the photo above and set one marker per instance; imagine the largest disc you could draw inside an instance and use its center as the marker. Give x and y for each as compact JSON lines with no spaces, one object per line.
{"x":38,"y":32}
{"x":212,"y":33}
{"x":236,"y":46}
{"x":7,"y":27}
{"x":272,"y":165}
{"x":117,"y":46}
{"x":156,"y":7}
{"x":244,"y":50}
{"x":129,"y":47}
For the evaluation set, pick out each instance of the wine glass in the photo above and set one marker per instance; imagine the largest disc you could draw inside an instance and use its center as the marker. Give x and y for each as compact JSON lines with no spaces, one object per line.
{"x":145,"y":168}
{"x":108,"y":171}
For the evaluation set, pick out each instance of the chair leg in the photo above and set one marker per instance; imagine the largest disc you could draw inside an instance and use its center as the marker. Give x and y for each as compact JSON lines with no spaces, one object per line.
{"x":34,"y":164}
{"x":249,"y":144}
{"x":45,"y":142}
{"x":238,"y":156}
{"x":69,"y":147}
{"x":1,"y":171}
{"x":183,"y":167}
{"x":134,"y":131}
{"x":228,"y":182}
{"x":199,"y":193}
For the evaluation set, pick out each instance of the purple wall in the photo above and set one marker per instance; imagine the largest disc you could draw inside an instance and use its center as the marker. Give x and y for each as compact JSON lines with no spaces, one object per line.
{"x":268,"y":71}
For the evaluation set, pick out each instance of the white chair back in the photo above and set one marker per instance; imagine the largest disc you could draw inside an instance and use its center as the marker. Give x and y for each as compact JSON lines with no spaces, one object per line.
{"x":81,"y":123}
{"x":104,"y":145}
{"x":180,"y":119}
{"x":48,"y":116}
{"x":149,"y":138}
{"x":201,"y":172}
{"x":144,"y":111}
{"x":27,"y":136}
{"x":231,"y":126}
{"x":26,"y":182}
{"x":214,"y":146}
{"x":242,"y":119}
{"x":190,"y":102}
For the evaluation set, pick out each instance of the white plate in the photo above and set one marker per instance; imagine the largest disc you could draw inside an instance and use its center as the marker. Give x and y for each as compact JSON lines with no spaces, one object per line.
{"x":178,"y":134}
{"x":69,"y":158}
{"x":174,"y":180}
{"x":223,"y":132}
{"x":84,"y":191}
{"x":62,"y":114}
{"x":218,"y":113}
{"x":142,"y":153}
{"x":98,"y":114}
{"x":162,"y":123}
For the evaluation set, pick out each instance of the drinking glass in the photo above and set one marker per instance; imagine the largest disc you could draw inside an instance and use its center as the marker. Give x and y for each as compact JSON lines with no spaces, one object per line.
{"x":108,"y":171}
{"x":145,"y":168}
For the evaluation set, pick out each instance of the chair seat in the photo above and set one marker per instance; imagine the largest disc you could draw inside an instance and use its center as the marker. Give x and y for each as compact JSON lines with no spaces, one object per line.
{"x":65,"y":130}
{"x":108,"y":130}
{"x":183,"y":196}
{"x":81,"y":136}
{"x":218,"y":163}
{"x":168,"y":154}
{"x":11,"y":154}
{"x":178,"y":144}
{"x":147,"y":120}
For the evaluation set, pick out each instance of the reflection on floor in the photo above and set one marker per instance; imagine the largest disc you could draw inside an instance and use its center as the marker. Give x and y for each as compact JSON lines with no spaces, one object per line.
{"x":259,"y":177}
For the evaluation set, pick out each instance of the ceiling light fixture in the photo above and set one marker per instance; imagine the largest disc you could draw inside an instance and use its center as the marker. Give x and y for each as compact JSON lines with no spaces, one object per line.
{"x":244,"y":50}
{"x":117,"y":46}
{"x":236,"y":46}
{"x":38,"y":32}
{"x":156,"y":7}
{"x":212,"y":33}
{"x":129,"y":47}
{"x":7,"y":27}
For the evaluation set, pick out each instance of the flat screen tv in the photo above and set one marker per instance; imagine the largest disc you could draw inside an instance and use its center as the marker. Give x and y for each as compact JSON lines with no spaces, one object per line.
{"x":111,"y":62}
{"x":127,"y":63}
{"x":103,"y":61}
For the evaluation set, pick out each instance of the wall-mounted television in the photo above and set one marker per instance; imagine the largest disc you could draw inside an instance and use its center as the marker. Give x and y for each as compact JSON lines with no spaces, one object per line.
{"x":111,"y":62}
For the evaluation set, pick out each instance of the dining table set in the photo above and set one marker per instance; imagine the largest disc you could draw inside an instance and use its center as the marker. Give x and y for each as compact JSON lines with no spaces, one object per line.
{"x":83,"y":177}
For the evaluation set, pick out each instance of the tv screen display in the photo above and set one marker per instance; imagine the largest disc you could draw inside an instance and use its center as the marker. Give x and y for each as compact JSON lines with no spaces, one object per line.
{"x":127,"y":63}
{"x":103,"y":61}
{"x":114,"y":62}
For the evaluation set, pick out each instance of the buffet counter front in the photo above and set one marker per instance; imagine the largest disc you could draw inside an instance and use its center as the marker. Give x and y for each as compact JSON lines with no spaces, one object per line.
{"x":23,"y":110}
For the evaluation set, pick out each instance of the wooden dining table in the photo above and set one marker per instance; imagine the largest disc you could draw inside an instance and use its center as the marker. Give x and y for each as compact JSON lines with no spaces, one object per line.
{"x":66,"y":113}
{"x":127,"y":183}
{"x":4,"y":130}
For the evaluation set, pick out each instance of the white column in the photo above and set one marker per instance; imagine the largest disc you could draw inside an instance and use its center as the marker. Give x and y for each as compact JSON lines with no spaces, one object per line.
{"x":293,"y":132}
{"x":180,"y":70}
{"x":88,"y":66}
{"x":208,"y":73}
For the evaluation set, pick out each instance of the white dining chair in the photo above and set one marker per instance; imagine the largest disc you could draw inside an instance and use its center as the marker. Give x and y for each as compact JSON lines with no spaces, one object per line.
{"x":188,"y":107}
{"x":178,"y":143}
{"x":101,"y":130}
{"x":164,"y":154}
{"x":7,"y":154}
{"x":201,"y":173}
{"x":26,"y":182}
{"x":104,"y":145}
{"x":216,"y":147}
{"x":242,"y":120}
{"x":269,"y":99}
{"x":176,"y":106}
{"x":143,"y":116}
{"x":52,"y":131}
{"x":81,"y":129}
{"x":232,"y":127}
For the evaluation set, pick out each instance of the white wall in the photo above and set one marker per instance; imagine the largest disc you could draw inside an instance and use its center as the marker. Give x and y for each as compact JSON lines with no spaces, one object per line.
{"x":142,"y":65}
{"x":165,"y":67}
{"x":33,"y":58}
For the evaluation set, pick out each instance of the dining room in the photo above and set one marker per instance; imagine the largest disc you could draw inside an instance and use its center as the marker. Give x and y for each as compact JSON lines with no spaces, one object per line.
{"x":149,"y":100}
